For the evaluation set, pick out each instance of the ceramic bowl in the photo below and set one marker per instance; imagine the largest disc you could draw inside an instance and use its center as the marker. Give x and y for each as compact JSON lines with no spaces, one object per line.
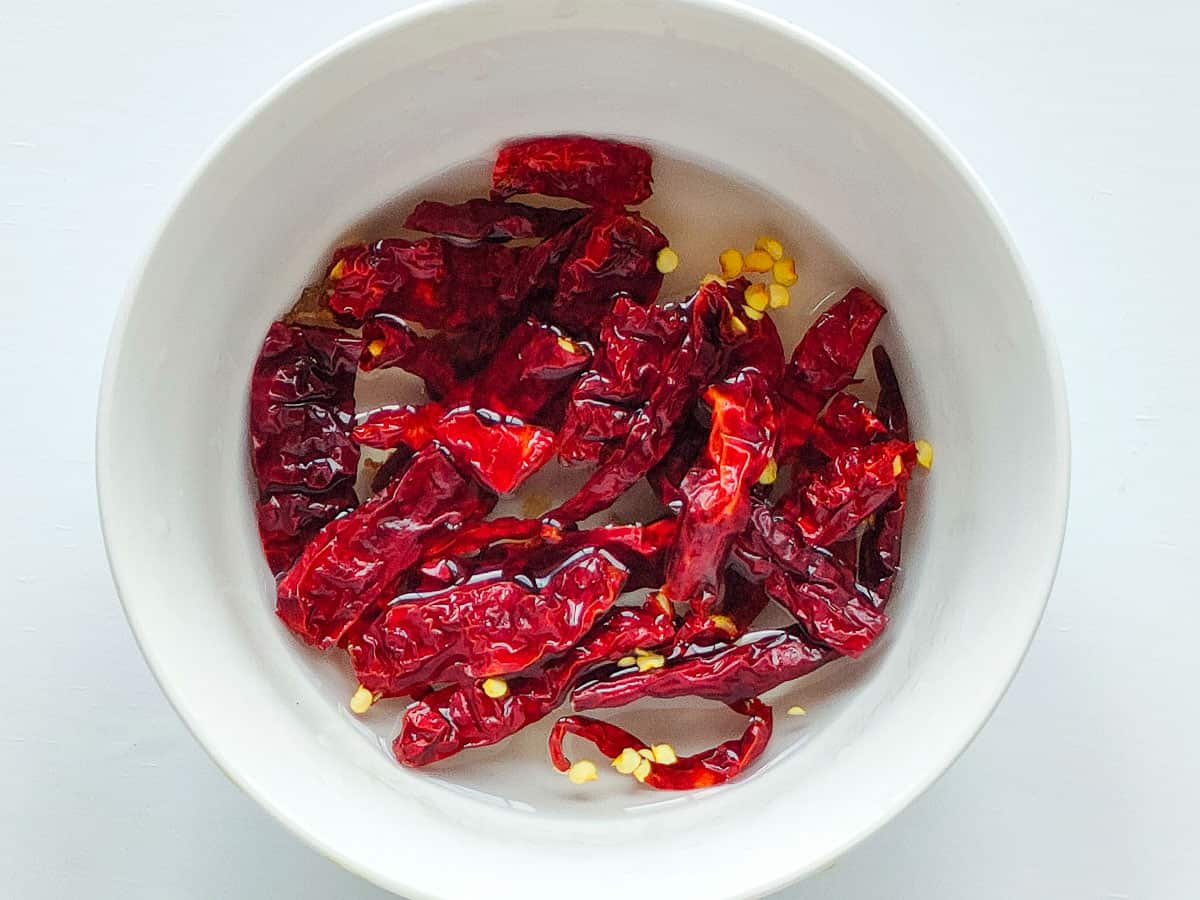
{"x":720,"y":89}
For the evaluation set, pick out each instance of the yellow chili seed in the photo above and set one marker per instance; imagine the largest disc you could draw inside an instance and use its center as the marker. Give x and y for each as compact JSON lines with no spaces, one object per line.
{"x":731,"y":262}
{"x":757,"y":296}
{"x":772,"y":247}
{"x":338,"y":270}
{"x":651,"y":661}
{"x":897,"y":466}
{"x":646,"y":753}
{"x":665,"y":754}
{"x":495,"y":687}
{"x":643,"y":769}
{"x":711,"y":277}
{"x":751,"y":313}
{"x":627,"y":761}
{"x":925,"y":453}
{"x":361,"y":701}
{"x":784,"y":272}
{"x":758,"y":261}
{"x":567,"y":345}
{"x":375,"y":347}
{"x":667,"y":260}
{"x":738,"y":326}
{"x":626,"y":661}
{"x":778,"y":296}
{"x":797,"y":711}
{"x":582,"y":772}
{"x":769,"y":473}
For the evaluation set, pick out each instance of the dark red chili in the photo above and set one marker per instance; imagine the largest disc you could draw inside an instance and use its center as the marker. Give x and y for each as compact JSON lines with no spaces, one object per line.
{"x":490,"y":220}
{"x":597,"y":172}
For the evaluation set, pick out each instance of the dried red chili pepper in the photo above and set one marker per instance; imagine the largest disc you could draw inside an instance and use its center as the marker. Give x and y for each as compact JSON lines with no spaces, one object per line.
{"x":846,"y":422}
{"x":652,"y":428}
{"x":441,"y":361}
{"x":617,"y":257}
{"x":634,"y":344}
{"x":815,"y":586}
{"x":879,"y":549}
{"x":287,"y":522}
{"x":592,"y":171}
{"x":500,"y":452}
{"x":760,"y":661}
{"x":476,"y":536}
{"x":741,"y":604}
{"x":717,"y":491}
{"x":399,"y":426}
{"x":704,"y":769}
{"x":823,"y":363}
{"x":534,"y":280}
{"x":301,"y":400}
{"x":431,"y":281}
{"x":460,"y":717}
{"x":668,"y":473}
{"x":356,"y":561}
{"x":490,"y":220}
{"x":487,"y":628}
{"x":829,"y":505}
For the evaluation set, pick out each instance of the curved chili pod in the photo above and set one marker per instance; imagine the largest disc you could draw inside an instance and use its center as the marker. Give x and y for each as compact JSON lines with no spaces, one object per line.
{"x":759,"y":662}
{"x":288,"y":521}
{"x":355,"y":562}
{"x":823,"y":363}
{"x":490,"y":220}
{"x":487,"y":628}
{"x":717,"y":491}
{"x":500,"y":453}
{"x":846,"y":422}
{"x":459,"y":717}
{"x":705,"y":769}
{"x":589,"y":170}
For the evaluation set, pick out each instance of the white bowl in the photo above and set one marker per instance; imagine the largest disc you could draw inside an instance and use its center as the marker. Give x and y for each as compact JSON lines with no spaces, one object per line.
{"x":391,"y":107}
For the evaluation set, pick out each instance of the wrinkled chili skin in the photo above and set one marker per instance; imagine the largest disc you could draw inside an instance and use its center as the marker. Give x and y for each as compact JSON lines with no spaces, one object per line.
{"x":501,"y":453}
{"x":850,"y":487}
{"x":634,"y":344}
{"x":741,"y":604}
{"x":487,"y":628}
{"x":301,"y":402}
{"x":756,"y":664}
{"x":437,"y":283}
{"x":717,"y":491}
{"x":879,"y":549}
{"x":460,"y":717}
{"x":652,"y":427}
{"x":588,"y":170}
{"x":618,"y":256}
{"x":846,"y":422}
{"x":355,"y":562}
{"x":399,"y":426}
{"x":823,"y":363}
{"x":705,"y":769}
{"x":490,"y":220}
{"x":288,"y":521}
{"x":815,"y":586}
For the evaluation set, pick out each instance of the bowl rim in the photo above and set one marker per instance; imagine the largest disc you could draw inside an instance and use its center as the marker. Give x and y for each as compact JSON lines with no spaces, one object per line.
{"x":1061,"y":463}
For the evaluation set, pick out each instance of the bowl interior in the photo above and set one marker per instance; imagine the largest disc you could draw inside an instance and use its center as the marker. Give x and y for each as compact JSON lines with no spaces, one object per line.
{"x":712,"y":90}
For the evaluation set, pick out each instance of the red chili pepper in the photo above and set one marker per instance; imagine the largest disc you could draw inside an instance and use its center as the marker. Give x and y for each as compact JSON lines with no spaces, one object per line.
{"x":741,"y":604}
{"x":596,"y":172}
{"x":879,"y":549}
{"x":668,"y":473}
{"x":301,"y":401}
{"x":500,"y":453}
{"x":441,"y":361}
{"x":431,"y":281}
{"x":355,"y":562}
{"x":705,"y":769}
{"x":760,"y":661}
{"x":717,"y":491}
{"x":533,"y":282}
{"x":473,"y":537}
{"x":487,"y":628}
{"x":823,"y":363}
{"x":652,"y":428}
{"x":490,"y":220}
{"x":851,"y":486}
{"x":287,"y":522}
{"x":617,"y":257}
{"x":815,"y":586}
{"x":460,"y":717}
{"x":846,"y":422}
{"x":399,"y":426}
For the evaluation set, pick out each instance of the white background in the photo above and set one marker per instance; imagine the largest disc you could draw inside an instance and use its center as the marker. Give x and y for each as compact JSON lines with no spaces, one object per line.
{"x":1082,"y":118}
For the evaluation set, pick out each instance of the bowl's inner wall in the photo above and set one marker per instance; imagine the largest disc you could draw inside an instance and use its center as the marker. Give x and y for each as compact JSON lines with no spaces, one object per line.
{"x":411,"y":103}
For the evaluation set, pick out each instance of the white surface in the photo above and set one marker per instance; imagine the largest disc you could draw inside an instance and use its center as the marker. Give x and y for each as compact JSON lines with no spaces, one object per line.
{"x":1084,"y":125}
{"x":188,"y":561}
